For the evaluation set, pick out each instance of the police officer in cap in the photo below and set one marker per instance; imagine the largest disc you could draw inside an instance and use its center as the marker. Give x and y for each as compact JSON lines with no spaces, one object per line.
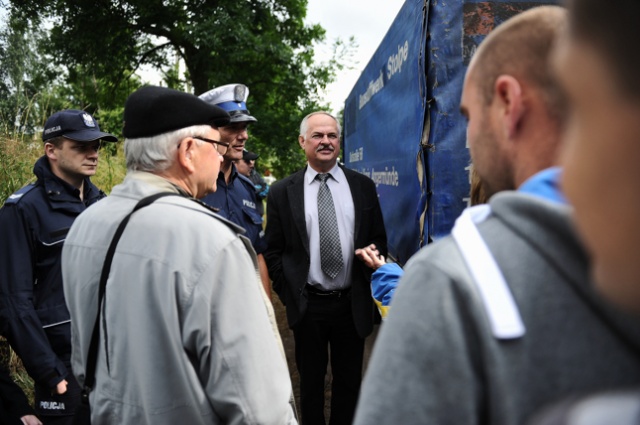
{"x":247,"y":167}
{"x":235,"y":197}
{"x":34,"y":222}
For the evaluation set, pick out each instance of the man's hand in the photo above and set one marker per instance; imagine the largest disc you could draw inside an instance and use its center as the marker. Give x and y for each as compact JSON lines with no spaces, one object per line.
{"x":61,"y":388}
{"x":370,"y":256}
{"x":30,"y":420}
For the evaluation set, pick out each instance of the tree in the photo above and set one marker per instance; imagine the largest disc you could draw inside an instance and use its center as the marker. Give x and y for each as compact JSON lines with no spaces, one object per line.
{"x":25,"y":74}
{"x":261,"y":43}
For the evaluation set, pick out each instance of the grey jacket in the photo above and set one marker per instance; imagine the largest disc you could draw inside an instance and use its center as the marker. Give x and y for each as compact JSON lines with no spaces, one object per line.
{"x":186,"y":336}
{"x":436,"y":360}
{"x":615,"y":407}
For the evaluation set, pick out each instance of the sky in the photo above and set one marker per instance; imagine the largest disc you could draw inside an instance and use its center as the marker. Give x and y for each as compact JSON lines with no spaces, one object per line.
{"x":367,"y":20}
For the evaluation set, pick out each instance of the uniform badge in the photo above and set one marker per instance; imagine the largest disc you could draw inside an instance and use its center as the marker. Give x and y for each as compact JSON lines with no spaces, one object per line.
{"x":88,"y":121}
{"x":239,"y":93}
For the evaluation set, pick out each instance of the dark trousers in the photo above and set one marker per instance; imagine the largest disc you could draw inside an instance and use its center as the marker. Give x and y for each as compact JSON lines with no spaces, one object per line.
{"x":328,"y":326}
{"x":58,"y":409}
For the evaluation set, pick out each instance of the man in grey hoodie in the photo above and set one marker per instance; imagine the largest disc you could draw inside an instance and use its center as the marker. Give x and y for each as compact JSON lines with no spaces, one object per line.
{"x":500,"y":318}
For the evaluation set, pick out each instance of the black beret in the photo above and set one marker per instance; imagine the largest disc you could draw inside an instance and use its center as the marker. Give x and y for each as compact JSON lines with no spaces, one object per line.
{"x":152,"y":110}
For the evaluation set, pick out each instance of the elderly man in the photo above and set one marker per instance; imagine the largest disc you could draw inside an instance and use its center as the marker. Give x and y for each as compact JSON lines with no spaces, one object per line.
{"x":184,"y":330}
{"x":497,"y":320}
{"x":315,"y":218}
{"x":236,"y":197}
{"x":34,"y":222}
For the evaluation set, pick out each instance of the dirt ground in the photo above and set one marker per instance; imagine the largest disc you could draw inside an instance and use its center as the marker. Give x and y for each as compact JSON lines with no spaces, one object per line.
{"x":289,"y":348}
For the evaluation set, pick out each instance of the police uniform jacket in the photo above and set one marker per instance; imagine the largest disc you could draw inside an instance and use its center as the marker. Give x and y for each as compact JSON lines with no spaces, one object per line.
{"x":237,"y":202}
{"x":34,"y":222}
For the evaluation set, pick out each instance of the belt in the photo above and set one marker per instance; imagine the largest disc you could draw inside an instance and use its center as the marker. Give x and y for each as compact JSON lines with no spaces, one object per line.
{"x":313,"y":291}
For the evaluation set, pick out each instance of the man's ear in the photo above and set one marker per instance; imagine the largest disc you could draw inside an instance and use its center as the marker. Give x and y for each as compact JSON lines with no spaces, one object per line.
{"x":508,"y":92}
{"x":50,"y":150}
{"x":301,"y":141}
{"x":186,"y":152}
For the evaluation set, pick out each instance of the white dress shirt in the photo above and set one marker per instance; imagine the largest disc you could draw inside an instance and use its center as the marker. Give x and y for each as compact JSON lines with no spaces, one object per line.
{"x":343,"y":202}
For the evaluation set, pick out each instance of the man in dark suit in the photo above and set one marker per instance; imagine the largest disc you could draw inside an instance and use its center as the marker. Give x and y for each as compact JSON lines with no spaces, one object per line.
{"x":325,"y":288}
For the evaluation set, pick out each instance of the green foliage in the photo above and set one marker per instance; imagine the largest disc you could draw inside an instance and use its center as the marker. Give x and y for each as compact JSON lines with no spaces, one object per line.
{"x":16,"y":164}
{"x":32,"y":87}
{"x":112,"y":167}
{"x":24,"y":73}
{"x":264,"y":44}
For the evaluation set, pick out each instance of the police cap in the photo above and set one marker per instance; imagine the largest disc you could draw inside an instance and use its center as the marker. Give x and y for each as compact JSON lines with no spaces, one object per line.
{"x":232,"y":98}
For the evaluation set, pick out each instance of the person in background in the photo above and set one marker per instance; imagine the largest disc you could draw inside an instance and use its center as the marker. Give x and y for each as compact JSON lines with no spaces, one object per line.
{"x":598,"y":59}
{"x":246,"y":167}
{"x":236,"y":197}
{"x":315,"y":218}
{"x":268,"y":177}
{"x":34,"y":223}
{"x":186,"y":335}
{"x":498,"y":319}
{"x":261,"y":185}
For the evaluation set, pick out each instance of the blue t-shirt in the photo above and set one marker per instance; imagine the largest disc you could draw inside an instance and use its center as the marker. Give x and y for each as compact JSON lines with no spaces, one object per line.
{"x":545,"y":184}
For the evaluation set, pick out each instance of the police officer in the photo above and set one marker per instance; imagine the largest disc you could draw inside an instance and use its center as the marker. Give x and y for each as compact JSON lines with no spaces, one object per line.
{"x":236,"y":196}
{"x":246,"y":167}
{"x":33,"y":224}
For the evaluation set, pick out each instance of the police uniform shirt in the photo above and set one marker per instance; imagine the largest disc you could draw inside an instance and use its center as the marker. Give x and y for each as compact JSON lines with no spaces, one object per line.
{"x":237,"y":203}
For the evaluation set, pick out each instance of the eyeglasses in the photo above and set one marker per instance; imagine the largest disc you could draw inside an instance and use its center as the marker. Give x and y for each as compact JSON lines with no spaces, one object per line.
{"x":216,"y":143}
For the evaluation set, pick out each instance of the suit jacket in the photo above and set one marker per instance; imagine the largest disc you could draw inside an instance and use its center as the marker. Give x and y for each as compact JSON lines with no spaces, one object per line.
{"x":287,"y":253}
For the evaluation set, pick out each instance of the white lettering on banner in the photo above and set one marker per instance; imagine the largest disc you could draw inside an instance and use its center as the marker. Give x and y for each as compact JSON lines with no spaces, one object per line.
{"x":395,"y":62}
{"x":249,"y":204}
{"x":356,"y":155}
{"x":374,"y":87}
{"x":386,"y":177}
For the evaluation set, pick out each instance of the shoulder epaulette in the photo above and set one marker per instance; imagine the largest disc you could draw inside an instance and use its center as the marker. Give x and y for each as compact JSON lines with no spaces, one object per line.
{"x":246,"y":179}
{"x":17,"y":195}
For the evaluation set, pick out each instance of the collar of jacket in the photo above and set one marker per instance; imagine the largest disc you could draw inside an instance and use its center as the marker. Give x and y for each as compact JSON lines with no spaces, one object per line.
{"x":60,"y":194}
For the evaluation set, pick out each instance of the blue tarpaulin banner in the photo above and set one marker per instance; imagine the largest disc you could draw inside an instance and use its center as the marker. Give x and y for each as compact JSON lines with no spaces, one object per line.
{"x":384,"y":119}
{"x":403,"y":127}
